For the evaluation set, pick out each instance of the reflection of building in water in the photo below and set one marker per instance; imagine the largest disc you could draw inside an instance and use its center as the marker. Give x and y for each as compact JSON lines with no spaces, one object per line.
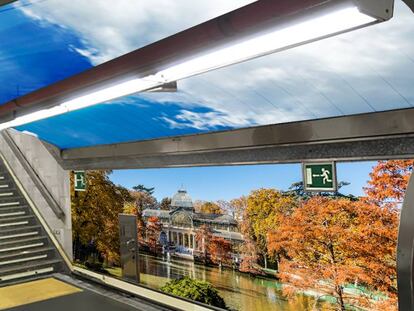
{"x":181,"y":222}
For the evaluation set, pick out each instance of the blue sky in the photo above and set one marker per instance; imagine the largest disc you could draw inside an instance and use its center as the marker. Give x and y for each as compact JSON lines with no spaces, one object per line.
{"x":361,"y":71}
{"x":229,"y":182}
{"x":45,"y":41}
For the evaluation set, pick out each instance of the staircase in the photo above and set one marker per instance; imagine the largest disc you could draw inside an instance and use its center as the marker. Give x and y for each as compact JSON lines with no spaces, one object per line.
{"x":26,"y":252}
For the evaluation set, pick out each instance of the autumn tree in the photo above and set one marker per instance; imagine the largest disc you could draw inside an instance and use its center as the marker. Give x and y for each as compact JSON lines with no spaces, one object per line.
{"x":388,"y":181}
{"x":95,"y":215}
{"x":131,"y":208}
{"x":220,"y":251}
{"x":265,"y":208}
{"x":237,"y":207}
{"x":165,"y":204}
{"x":153,"y":230}
{"x":141,"y":200}
{"x":203,"y":238}
{"x":249,"y":259}
{"x":340,"y":241}
{"x":207,"y":207}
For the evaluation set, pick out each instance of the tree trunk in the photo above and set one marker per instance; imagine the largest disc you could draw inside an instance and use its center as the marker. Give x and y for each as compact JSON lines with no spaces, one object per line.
{"x":339,"y":290}
{"x":265,"y":261}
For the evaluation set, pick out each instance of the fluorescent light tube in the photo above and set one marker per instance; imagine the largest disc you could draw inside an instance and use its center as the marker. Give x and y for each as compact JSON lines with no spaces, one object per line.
{"x":116,"y":91}
{"x":312,"y":29}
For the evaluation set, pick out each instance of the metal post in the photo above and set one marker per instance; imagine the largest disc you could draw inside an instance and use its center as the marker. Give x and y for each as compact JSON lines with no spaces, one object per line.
{"x":405,"y":258}
{"x":129,"y":247}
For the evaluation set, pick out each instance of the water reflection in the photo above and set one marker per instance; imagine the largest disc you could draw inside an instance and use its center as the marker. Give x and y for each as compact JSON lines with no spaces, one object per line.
{"x":240,"y":291}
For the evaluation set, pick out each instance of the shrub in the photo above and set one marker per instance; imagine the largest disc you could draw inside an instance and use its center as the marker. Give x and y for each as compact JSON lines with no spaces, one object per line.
{"x":196,"y":290}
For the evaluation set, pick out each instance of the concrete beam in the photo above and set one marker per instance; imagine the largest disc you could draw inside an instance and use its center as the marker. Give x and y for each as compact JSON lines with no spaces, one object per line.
{"x":401,"y":147}
{"x":370,"y":136}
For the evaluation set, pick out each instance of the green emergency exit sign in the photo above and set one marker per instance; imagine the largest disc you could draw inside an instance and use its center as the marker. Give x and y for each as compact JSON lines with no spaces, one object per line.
{"x":319,"y":176}
{"x":79,"y":180}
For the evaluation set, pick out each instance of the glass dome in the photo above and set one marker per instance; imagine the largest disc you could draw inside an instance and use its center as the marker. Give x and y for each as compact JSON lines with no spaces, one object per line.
{"x":182,"y":199}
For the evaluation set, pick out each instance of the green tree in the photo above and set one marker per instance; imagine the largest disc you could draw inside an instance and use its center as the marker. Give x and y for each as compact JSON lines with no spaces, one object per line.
{"x":297,"y":189}
{"x":142,"y":188}
{"x":200,"y":291}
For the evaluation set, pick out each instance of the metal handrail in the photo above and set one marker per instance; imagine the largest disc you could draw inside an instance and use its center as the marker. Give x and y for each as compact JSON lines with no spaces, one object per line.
{"x":33,"y":175}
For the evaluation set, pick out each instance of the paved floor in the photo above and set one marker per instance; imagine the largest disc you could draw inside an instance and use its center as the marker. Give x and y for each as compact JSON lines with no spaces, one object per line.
{"x":63,"y":293}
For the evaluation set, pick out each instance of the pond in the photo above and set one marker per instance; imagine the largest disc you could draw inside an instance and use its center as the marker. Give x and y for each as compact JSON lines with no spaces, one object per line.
{"x":240,"y":291}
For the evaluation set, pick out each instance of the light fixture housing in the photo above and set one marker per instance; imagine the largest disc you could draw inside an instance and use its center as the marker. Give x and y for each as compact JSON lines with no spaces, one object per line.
{"x":258,"y":29}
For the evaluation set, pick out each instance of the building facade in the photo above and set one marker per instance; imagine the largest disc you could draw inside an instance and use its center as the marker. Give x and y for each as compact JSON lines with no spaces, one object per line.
{"x":181,"y":223}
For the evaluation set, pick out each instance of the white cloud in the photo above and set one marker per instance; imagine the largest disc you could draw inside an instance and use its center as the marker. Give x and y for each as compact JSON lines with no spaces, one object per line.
{"x":117,"y":27}
{"x":330,"y":77}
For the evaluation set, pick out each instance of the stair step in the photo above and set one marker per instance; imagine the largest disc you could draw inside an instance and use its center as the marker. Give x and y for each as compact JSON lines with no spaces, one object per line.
{"x":19,"y":232}
{"x":15,"y":254}
{"x":25,"y":251}
{"x":22,"y":240}
{"x":20,"y":235}
{"x":4,"y":220}
{"x":14,"y":224}
{"x":26,"y":274}
{"x":18,"y":261}
{"x":13,"y":208}
{"x":24,"y":244}
{"x":14,"y":199}
{"x":3,"y":231}
{"x":27,"y":267}
{"x":12,"y":214}
{"x":22,"y":247}
{"x":15,"y":203}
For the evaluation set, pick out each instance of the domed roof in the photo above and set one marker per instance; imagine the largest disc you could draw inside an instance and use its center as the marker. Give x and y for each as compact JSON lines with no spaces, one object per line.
{"x":182,"y":199}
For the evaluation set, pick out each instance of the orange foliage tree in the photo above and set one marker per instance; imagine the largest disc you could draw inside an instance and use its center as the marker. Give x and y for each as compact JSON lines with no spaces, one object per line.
{"x":203,"y":237}
{"x":219,"y":250}
{"x":249,"y":259}
{"x":211,"y":248}
{"x":389,"y":180}
{"x":154,"y":228}
{"x":332,"y":242}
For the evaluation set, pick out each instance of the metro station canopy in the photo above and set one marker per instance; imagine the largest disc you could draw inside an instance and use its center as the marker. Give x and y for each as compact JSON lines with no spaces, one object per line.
{"x":43,"y":42}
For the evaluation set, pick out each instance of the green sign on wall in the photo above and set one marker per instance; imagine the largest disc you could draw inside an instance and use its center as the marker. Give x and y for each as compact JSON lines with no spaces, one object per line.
{"x":319,"y":176}
{"x":79,"y":180}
